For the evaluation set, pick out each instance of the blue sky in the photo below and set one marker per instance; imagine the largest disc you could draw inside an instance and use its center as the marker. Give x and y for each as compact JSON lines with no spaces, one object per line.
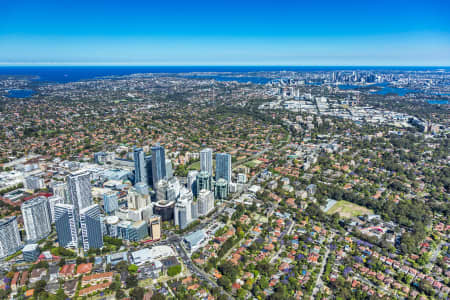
{"x":225,"y":32}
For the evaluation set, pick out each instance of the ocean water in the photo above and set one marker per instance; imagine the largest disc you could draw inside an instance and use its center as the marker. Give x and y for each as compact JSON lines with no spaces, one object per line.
{"x":20,"y":93}
{"x":394,"y":90}
{"x":438,"y":101}
{"x":385,"y":89}
{"x":64,"y":74}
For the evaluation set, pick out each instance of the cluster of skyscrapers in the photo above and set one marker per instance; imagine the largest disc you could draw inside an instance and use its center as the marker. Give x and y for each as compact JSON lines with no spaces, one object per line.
{"x":79,"y":218}
{"x":76,"y":217}
{"x":80,"y":222}
{"x":184,"y":204}
{"x":151,"y":169}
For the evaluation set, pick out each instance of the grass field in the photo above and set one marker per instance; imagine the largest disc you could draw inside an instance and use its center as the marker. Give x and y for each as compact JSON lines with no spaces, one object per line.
{"x":194,"y":166}
{"x":347,"y":209}
{"x":253,"y":163}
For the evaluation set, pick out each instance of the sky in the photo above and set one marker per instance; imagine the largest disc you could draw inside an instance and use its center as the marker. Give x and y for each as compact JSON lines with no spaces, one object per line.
{"x":127,"y":32}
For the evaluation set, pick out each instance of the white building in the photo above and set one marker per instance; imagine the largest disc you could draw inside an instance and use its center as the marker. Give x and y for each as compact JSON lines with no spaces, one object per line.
{"x":137,"y":200}
{"x":9,"y":236}
{"x":66,"y":225}
{"x":205,"y":202}
{"x":36,"y":218}
{"x":60,"y":189}
{"x":182,"y":213}
{"x":151,"y":254}
{"x":91,"y":229}
{"x":52,"y":201}
{"x":206,"y":162}
{"x":241,"y":178}
{"x":33,"y":183}
{"x":79,"y":188}
{"x":191,"y":180}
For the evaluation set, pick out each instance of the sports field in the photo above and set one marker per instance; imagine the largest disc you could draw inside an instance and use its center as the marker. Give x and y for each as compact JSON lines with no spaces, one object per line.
{"x":347,"y":209}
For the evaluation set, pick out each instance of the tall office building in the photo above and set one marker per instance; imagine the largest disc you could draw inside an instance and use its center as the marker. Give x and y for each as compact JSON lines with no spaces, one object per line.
{"x":205,"y":202}
{"x":169,"y":170}
{"x":52,"y":201}
{"x":66,"y":225}
{"x":192,"y":181}
{"x":110,"y":202}
{"x":60,"y":189}
{"x":221,"y":189}
{"x":148,"y":168}
{"x":174,"y":189}
{"x":168,"y":190}
{"x":91,"y":228}
{"x":204,"y":181}
{"x":183,"y":214}
{"x":9,"y":237}
{"x":206,"y":162}
{"x":138,"y":197}
{"x":155,"y":227}
{"x":194,"y":210}
{"x":79,"y":187}
{"x":223,"y":166}
{"x":36,"y":218}
{"x":158,"y":164}
{"x":161,"y":190}
{"x":140,"y":171}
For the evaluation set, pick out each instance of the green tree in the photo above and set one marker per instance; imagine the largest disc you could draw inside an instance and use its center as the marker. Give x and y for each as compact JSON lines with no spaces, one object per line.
{"x":132,"y":268}
{"x":120,"y":294}
{"x":137,"y":293}
{"x":158,"y":296}
{"x":174,"y":270}
{"x":131,"y":281}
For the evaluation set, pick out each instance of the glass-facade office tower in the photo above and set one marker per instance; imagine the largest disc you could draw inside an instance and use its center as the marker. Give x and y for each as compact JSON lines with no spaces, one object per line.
{"x":169,"y":170}
{"x":52,"y":201}
{"x":36,"y":218}
{"x":192,"y":181}
{"x":206,"y":162}
{"x":66,"y":225}
{"x":91,"y":228}
{"x":158,"y":164}
{"x":204,"y":181}
{"x":9,"y":237}
{"x":223,"y":166}
{"x":140,"y":172}
{"x":110,"y":202}
{"x":79,"y":187}
{"x":221,"y":189}
{"x":148,"y":169}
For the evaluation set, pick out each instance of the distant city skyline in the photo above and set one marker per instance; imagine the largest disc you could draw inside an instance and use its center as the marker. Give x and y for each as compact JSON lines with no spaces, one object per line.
{"x":329,"y":33}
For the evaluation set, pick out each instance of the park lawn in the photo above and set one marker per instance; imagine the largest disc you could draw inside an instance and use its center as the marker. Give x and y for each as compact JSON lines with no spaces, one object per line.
{"x":347,"y":209}
{"x":196,"y":165}
{"x":254,"y":163}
